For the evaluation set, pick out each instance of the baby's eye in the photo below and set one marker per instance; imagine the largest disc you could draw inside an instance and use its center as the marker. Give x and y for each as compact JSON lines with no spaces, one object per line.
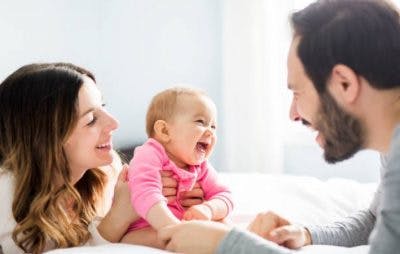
{"x":200,"y":121}
{"x":213,"y":127}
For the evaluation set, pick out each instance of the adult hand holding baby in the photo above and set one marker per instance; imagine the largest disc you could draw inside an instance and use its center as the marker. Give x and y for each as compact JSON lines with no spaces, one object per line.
{"x":187,"y":198}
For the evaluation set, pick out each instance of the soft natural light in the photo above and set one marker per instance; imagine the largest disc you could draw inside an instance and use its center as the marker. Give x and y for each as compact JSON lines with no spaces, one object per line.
{"x":256,"y":38}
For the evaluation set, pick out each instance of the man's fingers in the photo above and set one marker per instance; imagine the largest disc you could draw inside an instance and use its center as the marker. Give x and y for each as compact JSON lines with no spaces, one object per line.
{"x":282,"y":234}
{"x":256,"y":227}
{"x":283,"y":221}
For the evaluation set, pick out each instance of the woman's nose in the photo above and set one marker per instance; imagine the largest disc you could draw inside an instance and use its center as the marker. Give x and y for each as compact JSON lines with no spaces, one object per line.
{"x":112,"y":123}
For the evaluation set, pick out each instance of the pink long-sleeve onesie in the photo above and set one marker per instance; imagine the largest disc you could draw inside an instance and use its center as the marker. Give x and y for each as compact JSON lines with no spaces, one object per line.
{"x":146,"y":186}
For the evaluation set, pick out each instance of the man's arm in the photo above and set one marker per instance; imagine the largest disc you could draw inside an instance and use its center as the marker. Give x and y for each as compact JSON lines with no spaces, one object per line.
{"x":243,"y":242}
{"x":355,"y":229}
{"x":352,"y":231}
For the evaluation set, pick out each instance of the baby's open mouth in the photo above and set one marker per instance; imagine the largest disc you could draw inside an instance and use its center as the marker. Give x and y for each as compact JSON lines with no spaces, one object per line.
{"x":201,"y":146}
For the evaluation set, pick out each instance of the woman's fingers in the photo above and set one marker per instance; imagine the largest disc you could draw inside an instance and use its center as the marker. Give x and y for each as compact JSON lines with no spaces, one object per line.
{"x":167,"y":180}
{"x":123,"y":175}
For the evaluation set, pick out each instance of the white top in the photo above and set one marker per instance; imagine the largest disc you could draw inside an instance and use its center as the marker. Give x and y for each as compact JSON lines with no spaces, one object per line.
{"x":7,"y":222}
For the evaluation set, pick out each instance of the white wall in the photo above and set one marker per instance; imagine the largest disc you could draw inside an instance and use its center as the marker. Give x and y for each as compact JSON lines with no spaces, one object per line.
{"x":134,"y":47}
{"x":256,"y":37}
{"x":137,"y":47}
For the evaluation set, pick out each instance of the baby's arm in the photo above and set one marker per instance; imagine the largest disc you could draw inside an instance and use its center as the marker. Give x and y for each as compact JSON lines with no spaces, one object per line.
{"x":146,"y":185}
{"x":214,"y":209}
{"x":160,"y":216}
{"x":219,"y":201}
{"x":146,"y":194}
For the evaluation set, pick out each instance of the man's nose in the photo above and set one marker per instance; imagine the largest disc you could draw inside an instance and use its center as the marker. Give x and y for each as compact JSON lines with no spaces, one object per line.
{"x":293,"y":114}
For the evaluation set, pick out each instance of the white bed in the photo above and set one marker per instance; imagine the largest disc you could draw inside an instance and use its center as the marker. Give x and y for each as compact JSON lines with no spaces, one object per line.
{"x":304,"y":200}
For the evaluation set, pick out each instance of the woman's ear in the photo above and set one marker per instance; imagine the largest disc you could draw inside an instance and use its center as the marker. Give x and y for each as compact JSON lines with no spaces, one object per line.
{"x":344,"y":84}
{"x":161,"y":131}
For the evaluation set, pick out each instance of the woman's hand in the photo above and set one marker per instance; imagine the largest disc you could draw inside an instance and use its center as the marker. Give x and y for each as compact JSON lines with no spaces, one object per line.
{"x":279,"y":230}
{"x":121,"y":214}
{"x":188,"y":198}
{"x":122,"y":197}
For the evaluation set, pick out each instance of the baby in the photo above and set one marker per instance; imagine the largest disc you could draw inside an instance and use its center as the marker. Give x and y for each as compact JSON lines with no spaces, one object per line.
{"x":181,"y":125}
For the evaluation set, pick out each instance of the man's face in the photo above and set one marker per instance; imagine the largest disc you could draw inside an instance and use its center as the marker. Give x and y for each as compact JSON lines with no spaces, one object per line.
{"x":339,"y":133}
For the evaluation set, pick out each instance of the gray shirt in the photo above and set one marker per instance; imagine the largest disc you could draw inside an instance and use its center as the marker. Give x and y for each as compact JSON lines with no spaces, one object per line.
{"x":352,"y":231}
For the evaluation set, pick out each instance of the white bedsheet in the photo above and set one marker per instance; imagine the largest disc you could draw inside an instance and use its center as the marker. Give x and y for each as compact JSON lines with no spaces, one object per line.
{"x":324,"y":249}
{"x":301,"y":199}
{"x":304,"y":200}
{"x":131,"y":249}
{"x":115,"y":248}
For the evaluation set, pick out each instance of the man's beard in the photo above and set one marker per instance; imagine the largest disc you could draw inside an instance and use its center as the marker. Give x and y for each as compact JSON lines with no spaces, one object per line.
{"x":342,"y":132}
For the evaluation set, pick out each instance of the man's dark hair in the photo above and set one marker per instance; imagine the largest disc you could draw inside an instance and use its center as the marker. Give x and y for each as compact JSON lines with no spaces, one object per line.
{"x":361,"y":34}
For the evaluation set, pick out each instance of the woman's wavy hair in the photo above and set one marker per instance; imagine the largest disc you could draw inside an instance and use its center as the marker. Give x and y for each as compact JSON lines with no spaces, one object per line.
{"x":38,"y":112}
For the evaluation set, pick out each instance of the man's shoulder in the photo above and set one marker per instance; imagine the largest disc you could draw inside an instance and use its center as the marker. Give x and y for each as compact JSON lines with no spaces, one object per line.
{"x":393,"y":156}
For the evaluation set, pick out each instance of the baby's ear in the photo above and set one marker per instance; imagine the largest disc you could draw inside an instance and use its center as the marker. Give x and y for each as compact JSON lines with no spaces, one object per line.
{"x":161,"y":131}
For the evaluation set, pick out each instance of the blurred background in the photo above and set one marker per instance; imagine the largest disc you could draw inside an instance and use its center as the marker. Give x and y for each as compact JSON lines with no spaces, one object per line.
{"x":234,"y":50}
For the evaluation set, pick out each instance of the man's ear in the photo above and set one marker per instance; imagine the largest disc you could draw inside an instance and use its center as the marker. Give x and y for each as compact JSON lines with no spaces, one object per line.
{"x":344,"y":84}
{"x":161,"y":131}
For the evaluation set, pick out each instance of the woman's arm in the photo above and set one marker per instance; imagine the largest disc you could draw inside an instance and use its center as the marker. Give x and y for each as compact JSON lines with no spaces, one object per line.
{"x":121,"y":214}
{"x":197,"y":237}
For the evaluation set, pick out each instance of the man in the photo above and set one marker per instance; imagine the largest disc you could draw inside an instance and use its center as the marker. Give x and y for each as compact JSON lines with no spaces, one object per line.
{"x":344,"y":72}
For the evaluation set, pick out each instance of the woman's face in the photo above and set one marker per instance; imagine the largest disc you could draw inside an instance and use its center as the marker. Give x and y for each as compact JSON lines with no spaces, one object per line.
{"x":90,"y":144}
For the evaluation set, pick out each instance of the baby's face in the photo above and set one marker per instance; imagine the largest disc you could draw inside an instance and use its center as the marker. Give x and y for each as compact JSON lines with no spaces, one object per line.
{"x":192,"y":130}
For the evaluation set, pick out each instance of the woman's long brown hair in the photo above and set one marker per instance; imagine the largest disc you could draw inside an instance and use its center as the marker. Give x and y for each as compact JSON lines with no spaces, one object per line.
{"x":38,"y":112}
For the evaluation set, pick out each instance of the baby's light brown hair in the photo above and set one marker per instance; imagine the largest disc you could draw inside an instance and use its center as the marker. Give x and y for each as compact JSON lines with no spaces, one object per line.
{"x":163,"y":106}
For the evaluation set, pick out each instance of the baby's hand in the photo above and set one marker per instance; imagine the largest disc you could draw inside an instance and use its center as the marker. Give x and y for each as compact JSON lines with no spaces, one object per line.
{"x":198,"y":212}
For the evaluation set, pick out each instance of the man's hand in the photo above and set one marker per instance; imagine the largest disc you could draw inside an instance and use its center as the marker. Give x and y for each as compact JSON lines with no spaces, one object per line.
{"x":198,"y":212}
{"x":279,"y":230}
{"x":193,"y":237}
{"x":188,"y":198}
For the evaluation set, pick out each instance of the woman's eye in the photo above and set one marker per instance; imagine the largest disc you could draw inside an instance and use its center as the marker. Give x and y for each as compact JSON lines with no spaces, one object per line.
{"x":93,"y":121}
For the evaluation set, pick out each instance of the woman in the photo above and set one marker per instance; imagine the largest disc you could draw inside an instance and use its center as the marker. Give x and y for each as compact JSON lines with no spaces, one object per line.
{"x":54,"y":136}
